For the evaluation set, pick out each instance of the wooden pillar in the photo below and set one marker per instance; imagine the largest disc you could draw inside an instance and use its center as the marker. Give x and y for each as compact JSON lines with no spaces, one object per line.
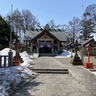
{"x":52,"y":50}
{"x":89,"y":55}
{"x":31,"y":47}
{"x":37,"y":50}
{"x":58,"y":46}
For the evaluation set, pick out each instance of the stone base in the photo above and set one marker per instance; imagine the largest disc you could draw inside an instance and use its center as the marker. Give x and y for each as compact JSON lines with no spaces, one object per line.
{"x":88,"y":65}
{"x":77,"y":61}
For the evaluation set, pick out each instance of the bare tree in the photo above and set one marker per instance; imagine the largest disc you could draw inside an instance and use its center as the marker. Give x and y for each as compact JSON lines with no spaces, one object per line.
{"x":15,"y":19}
{"x":52,"y":25}
{"x":22,"y":21}
{"x":73,"y":28}
{"x":29,"y":20}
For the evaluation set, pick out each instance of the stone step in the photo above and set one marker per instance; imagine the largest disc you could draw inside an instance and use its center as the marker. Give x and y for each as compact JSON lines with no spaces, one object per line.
{"x":54,"y":71}
{"x":47,"y":54}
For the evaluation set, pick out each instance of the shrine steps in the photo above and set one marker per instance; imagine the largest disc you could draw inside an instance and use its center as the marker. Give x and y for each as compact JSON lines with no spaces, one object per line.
{"x":51,"y":71}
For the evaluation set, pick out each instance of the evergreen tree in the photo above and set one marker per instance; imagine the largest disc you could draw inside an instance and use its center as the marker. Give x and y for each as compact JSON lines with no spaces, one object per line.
{"x":5,"y":33}
{"x":87,"y":26}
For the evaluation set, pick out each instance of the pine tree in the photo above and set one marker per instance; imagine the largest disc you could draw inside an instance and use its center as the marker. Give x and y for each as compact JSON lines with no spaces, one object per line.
{"x":5,"y":33}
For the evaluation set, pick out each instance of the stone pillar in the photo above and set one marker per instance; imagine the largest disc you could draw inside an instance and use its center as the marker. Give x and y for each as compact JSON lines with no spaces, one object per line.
{"x":10,"y":54}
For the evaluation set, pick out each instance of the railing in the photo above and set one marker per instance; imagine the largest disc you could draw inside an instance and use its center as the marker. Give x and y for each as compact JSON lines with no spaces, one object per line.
{"x":4,"y":59}
{"x":3,"y":64}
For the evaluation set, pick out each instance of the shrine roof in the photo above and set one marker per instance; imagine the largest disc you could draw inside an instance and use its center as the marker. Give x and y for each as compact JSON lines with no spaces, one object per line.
{"x":88,"y":41}
{"x":60,"y":35}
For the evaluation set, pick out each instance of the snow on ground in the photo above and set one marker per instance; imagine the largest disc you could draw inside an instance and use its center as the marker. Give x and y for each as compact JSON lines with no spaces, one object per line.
{"x":12,"y":77}
{"x":64,"y":54}
{"x":94,"y":73}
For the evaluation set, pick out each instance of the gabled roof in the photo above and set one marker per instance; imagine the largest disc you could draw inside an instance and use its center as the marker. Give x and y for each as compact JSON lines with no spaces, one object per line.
{"x":29,"y":35}
{"x":85,"y":42}
{"x":57,"y":34}
{"x":60,"y":35}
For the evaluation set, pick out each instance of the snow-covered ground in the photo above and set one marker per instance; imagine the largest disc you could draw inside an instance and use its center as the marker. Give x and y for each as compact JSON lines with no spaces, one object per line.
{"x":12,"y":77}
{"x":64,"y":54}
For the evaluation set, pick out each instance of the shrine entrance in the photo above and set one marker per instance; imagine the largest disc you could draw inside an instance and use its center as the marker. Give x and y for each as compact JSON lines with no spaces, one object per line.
{"x":45,"y":49}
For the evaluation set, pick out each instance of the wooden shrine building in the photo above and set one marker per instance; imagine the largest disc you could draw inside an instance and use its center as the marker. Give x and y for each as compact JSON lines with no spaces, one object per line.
{"x":45,"y":41}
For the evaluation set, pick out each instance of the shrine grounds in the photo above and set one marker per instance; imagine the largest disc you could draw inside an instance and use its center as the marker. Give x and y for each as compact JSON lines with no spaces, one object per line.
{"x":85,"y":58}
{"x":79,"y":81}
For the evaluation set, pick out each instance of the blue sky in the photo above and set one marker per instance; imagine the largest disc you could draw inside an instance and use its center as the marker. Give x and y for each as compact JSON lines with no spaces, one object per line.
{"x":61,"y":11}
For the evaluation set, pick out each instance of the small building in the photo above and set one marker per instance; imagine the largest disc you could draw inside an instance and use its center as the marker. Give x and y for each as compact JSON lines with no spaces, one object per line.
{"x":45,"y":41}
{"x":93,"y":47}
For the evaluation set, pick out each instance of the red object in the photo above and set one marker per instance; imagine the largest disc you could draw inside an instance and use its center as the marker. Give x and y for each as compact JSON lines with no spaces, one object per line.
{"x":16,"y":62}
{"x":88,"y":65}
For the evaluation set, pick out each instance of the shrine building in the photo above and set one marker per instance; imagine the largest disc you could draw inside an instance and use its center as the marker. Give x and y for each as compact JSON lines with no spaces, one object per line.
{"x":45,"y":41}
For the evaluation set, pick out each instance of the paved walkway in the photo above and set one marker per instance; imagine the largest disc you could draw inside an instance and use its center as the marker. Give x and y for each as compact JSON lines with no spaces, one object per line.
{"x":79,"y":81}
{"x":48,"y":63}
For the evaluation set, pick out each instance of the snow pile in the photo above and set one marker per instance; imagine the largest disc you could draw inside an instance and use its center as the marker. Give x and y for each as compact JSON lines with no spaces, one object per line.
{"x":11,"y":78}
{"x":5,"y":51}
{"x":64,"y":54}
{"x":26,"y":58}
{"x":94,"y":73}
{"x":35,"y":55}
{"x":94,"y":35}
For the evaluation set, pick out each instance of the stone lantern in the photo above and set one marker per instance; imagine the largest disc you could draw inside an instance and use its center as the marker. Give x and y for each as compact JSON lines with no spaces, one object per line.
{"x":76,"y":59}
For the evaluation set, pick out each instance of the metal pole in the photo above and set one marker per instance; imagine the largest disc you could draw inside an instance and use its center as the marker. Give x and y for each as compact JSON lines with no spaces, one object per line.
{"x":82,"y":33}
{"x":10,"y":54}
{"x":11,"y":28}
